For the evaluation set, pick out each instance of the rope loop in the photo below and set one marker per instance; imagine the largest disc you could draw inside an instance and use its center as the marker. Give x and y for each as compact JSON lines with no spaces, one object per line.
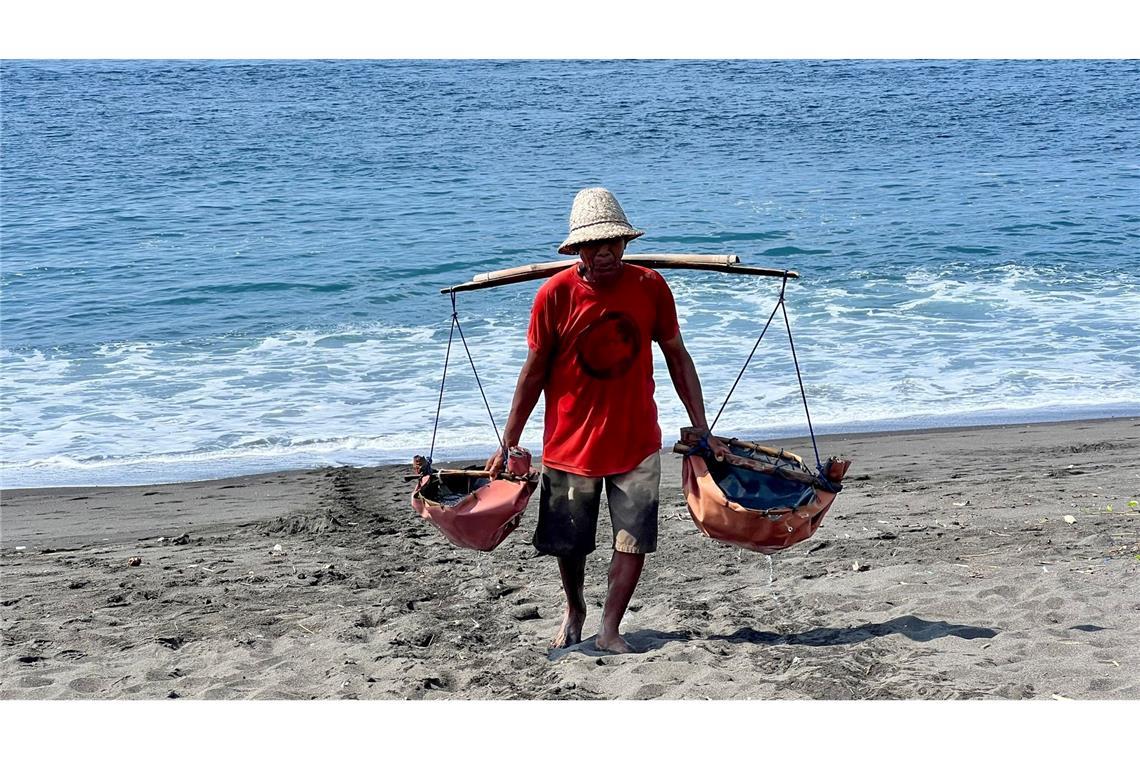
{"x":780,"y":306}
{"x":447,"y":357}
{"x":800,"y":379}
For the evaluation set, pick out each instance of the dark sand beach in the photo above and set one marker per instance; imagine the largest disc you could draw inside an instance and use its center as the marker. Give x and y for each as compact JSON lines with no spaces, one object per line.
{"x":973,"y":563}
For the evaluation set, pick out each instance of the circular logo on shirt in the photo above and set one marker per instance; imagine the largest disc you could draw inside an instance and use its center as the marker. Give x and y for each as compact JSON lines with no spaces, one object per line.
{"x":608,"y":347}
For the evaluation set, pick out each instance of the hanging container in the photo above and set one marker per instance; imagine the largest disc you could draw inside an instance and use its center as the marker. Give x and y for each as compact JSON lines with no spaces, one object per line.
{"x":761,"y":499}
{"x":471,"y":510}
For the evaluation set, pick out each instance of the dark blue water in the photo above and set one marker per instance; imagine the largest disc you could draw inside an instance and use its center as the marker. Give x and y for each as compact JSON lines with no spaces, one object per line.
{"x":220,"y":267}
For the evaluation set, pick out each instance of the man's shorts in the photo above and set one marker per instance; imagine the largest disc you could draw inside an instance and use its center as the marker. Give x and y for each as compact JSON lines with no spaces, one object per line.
{"x":568,"y":510}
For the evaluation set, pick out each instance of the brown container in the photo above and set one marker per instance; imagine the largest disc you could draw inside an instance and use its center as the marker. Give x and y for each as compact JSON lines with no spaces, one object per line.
{"x":764,"y":531}
{"x":471,"y":511}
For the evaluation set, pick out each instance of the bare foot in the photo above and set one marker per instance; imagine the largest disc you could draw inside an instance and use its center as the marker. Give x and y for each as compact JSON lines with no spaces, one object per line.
{"x":571,"y":631}
{"x":614,"y":643}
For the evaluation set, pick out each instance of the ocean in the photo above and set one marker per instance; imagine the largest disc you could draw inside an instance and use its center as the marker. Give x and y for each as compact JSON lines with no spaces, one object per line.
{"x":211,"y":268}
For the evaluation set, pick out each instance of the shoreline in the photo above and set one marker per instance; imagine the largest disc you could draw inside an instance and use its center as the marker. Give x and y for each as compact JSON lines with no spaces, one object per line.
{"x":218,"y":509}
{"x":857,"y":430}
{"x":948,"y":568}
{"x":30,"y":517}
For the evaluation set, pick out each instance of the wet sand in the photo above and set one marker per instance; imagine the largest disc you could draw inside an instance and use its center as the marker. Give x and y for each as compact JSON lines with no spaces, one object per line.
{"x":946,"y":569}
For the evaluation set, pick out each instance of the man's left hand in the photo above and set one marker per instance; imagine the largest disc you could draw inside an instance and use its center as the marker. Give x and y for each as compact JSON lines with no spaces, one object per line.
{"x":717,"y":447}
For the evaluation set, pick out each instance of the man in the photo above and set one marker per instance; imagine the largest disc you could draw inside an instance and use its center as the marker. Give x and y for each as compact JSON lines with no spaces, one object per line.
{"x":589,"y":340}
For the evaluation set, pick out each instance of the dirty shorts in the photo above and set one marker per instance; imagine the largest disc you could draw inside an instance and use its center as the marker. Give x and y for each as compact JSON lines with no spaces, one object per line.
{"x":568,"y":510}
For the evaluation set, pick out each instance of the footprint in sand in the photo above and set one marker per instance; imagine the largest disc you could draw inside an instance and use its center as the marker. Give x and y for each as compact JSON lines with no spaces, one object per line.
{"x":88,"y":685}
{"x":650,"y":691}
{"x":1008,"y":593}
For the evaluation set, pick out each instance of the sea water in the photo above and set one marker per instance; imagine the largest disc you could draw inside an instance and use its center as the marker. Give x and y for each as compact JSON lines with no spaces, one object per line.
{"x":224,"y":267}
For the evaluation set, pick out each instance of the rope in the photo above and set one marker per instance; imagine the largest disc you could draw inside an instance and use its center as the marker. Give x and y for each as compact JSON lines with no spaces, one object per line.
{"x":471,"y":361}
{"x":803,"y":394}
{"x":749,"y":359}
{"x":456,"y":326}
{"x":446,"y":359}
{"x":481,"y":392}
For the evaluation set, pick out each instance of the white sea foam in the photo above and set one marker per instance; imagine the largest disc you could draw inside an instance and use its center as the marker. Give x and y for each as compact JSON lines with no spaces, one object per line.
{"x":929,"y":345}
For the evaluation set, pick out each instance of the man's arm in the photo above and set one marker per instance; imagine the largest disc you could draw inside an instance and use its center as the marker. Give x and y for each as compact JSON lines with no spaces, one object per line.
{"x":684,"y":375}
{"x":532,"y":379}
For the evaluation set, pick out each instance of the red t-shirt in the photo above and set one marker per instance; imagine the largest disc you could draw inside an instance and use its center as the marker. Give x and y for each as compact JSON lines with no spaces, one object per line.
{"x":600,"y":415}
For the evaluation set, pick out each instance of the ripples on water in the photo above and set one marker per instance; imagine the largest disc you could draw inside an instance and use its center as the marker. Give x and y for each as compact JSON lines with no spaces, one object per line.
{"x":220,"y":267}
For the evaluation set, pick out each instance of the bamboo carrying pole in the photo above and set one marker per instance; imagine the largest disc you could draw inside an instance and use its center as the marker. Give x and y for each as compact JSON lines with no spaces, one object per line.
{"x":728,"y":263}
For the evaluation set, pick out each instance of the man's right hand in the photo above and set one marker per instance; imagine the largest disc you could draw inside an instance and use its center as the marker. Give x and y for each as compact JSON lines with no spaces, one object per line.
{"x":495,"y":464}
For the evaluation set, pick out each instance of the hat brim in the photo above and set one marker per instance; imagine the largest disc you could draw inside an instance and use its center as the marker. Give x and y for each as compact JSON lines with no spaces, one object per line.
{"x":598,"y":232}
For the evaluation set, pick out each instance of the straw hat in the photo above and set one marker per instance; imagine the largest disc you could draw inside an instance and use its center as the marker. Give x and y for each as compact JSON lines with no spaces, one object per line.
{"x":597,"y":215}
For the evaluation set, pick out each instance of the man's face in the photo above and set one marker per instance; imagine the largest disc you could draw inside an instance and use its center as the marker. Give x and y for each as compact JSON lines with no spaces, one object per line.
{"x":601,"y":259}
